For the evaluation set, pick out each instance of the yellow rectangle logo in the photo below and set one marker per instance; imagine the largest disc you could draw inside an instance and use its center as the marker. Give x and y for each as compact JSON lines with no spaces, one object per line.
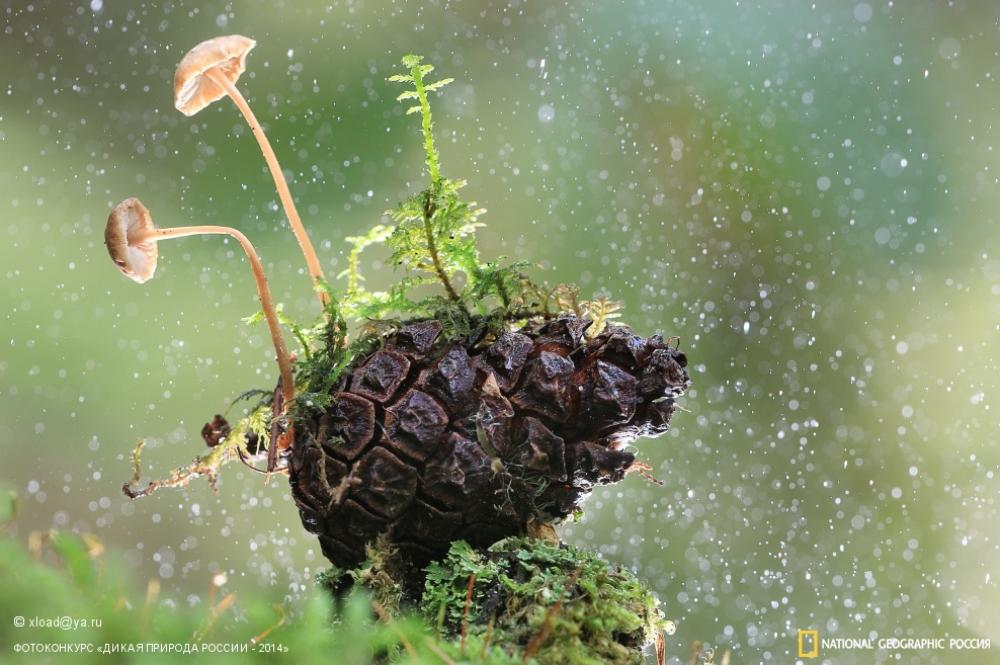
{"x":808,"y":639}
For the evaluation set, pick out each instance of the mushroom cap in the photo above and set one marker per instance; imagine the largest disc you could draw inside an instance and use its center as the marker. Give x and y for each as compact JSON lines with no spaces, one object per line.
{"x":193,"y":91}
{"x":127,"y":236}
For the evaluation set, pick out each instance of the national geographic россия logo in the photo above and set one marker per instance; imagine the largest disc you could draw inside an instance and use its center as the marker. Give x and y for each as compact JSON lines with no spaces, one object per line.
{"x":809,"y":643}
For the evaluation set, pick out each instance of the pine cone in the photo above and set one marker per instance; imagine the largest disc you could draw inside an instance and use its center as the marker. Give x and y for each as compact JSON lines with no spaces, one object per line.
{"x":428,"y":441}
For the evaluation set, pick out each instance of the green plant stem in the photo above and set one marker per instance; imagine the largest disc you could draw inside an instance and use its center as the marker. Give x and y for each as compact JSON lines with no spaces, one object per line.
{"x":429,"y":209}
{"x":432,"y":165}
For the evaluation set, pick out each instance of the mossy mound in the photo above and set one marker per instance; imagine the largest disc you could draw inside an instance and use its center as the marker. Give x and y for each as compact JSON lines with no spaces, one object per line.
{"x":521,"y":600}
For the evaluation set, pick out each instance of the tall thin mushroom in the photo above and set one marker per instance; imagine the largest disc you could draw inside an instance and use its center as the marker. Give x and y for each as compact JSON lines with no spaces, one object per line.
{"x":208,"y":73}
{"x":131,"y":238}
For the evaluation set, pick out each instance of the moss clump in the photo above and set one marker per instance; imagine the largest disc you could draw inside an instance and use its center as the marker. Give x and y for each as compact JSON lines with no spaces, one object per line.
{"x":523,"y":600}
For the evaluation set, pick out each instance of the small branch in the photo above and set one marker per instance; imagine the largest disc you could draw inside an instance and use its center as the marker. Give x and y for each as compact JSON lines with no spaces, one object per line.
{"x":429,"y":210}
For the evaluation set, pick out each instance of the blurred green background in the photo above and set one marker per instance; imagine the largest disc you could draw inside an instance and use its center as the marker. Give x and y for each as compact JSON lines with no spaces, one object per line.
{"x":805,"y":193}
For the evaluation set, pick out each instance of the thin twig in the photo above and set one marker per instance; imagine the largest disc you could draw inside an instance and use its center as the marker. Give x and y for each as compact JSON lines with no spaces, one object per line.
{"x":387,"y":620}
{"x":697,"y":648}
{"x":437,"y":651}
{"x":152,"y":593}
{"x":486,"y":638}
{"x":281,"y":622}
{"x":213,"y":615}
{"x":465,"y":614}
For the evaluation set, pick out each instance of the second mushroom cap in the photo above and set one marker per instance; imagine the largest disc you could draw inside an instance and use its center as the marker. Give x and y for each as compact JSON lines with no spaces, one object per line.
{"x":226,"y":55}
{"x":127,"y":238}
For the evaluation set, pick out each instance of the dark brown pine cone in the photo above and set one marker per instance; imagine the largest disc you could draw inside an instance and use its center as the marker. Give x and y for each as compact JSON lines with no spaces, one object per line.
{"x":428,"y":441}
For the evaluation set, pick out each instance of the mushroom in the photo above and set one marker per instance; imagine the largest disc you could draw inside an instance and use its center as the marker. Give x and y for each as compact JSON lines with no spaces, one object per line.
{"x":131,"y":238}
{"x":208,"y":73}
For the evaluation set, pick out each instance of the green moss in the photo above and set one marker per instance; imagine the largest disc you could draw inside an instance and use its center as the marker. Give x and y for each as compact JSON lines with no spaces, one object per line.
{"x":552,"y":602}
{"x":530,"y":600}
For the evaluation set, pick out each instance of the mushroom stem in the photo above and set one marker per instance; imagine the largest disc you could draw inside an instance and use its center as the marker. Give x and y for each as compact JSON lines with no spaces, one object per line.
{"x":279,"y":180}
{"x":267,"y":305}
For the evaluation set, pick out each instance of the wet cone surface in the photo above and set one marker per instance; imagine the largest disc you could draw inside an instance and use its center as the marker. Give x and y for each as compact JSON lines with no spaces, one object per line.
{"x":427,"y":441}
